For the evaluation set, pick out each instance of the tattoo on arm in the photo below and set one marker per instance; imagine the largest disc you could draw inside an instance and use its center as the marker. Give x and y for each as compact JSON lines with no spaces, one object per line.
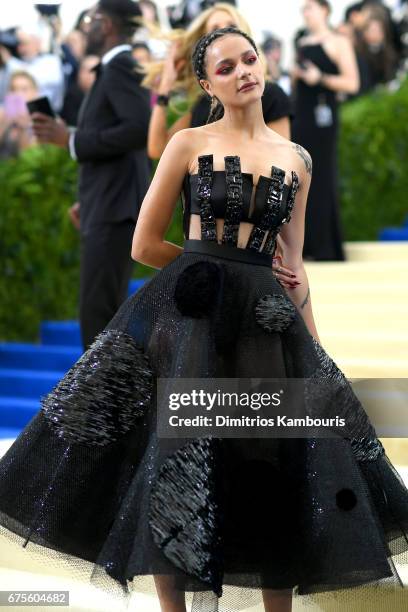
{"x":307,"y":160}
{"x":305,"y":301}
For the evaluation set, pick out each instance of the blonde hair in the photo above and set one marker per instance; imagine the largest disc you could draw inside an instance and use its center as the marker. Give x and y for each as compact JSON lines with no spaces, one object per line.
{"x":22,"y":74}
{"x":187,"y":80}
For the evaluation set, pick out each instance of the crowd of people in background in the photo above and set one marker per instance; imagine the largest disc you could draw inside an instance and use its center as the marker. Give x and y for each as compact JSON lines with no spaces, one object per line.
{"x":47,"y":62}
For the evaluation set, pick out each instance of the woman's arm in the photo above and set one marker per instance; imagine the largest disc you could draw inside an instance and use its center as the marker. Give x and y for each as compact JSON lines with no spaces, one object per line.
{"x":158,"y":134}
{"x":292,"y":238}
{"x":149,"y":246}
{"x":348,"y":79}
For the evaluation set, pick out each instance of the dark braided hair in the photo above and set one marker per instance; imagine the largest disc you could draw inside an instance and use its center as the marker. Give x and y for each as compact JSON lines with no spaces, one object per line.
{"x":325,"y":4}
{"x":198,"y":61}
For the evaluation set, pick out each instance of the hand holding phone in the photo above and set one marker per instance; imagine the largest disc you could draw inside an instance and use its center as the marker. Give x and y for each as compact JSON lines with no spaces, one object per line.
{"x":46,"y":126}
{"x":41,"y":105}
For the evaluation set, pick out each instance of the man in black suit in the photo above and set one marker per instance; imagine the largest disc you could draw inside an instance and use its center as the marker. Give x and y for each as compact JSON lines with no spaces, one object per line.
{"x":110,"y":146}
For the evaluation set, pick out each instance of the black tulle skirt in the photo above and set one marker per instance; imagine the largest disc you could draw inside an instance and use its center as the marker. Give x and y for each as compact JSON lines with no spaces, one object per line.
{"x":91,"y":482}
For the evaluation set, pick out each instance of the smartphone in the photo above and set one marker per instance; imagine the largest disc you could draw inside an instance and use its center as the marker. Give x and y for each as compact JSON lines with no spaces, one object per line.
{"x":41,"y":105}
{"x":14,"y":106}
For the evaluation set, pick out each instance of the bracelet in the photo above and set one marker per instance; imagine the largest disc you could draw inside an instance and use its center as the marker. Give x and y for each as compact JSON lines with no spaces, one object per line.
{"x":162,"y":100}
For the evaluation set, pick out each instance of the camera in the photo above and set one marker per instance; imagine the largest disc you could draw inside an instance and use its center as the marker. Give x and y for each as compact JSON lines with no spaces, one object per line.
{"x":182,"y":14}
{"x":48,"y":10}
{"x":8,"y":39}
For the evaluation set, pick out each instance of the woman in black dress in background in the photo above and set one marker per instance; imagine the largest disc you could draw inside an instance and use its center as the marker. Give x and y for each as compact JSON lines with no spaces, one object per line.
{"x":326,"y":65}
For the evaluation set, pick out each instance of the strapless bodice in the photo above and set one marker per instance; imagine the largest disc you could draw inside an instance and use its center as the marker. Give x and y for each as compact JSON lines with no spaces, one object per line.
{"x":227,"y":194}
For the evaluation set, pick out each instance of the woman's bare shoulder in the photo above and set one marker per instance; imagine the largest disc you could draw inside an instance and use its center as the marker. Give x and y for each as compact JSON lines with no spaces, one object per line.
{"x":300,"y":157}
{"x":189,"y":142}
{"x":189,"y":139}
{"x":296,"y":156}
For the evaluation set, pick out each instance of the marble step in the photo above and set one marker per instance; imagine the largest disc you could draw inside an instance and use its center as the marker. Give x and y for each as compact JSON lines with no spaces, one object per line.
{"x":364,"y":344}
{"x":368,"y":251}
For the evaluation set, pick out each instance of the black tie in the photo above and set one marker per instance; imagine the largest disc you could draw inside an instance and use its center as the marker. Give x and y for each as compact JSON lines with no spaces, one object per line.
{"x":97,"y":69}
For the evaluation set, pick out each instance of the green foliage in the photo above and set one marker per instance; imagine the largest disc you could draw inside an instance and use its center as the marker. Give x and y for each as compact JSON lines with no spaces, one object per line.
{"x":373,"y":158}
{"x":39,"y":248}
{"x":38,"y":245}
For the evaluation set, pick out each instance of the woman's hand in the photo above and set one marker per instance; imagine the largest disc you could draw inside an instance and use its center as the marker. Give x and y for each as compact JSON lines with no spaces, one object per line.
{"x":284,"y":275}
{"x":74,"y":215}
{"x":310,"y":74}
{"x":172,"y":66}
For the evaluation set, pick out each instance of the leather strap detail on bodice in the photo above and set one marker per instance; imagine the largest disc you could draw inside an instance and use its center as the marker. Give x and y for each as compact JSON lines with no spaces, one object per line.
{"x":205,"y":181}
{"x":230,"y":200}
{"x":271,"y":211}
{"x":292,"y":196}
{"x":233,"y":211}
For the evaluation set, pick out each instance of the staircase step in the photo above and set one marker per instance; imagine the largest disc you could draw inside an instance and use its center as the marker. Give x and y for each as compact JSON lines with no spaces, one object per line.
{"x":364,"y":344}
{"x":28,"y":384}
{"x":136,"y":284}
{"x":8,"y":433}
{"x":37,"y":357}
{"x":393,"y":233}
{"x":67,"y":333}
{"x":358,"y":317}
{"x":16,"y":412}
{"x":376,"y":251}
{"x":372,"y":368}
{"x":60,"y":333}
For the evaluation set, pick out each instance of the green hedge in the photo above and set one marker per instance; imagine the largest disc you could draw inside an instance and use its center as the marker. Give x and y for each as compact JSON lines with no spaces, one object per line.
{"x":373,"y":163}
{"x":39,"y":247}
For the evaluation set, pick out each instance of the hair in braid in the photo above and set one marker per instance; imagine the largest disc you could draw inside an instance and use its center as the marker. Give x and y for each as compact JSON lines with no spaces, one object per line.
{"x":198,"y":61}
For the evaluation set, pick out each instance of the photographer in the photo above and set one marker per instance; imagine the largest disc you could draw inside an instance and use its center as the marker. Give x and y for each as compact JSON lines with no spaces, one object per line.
{"x":45,"y":68}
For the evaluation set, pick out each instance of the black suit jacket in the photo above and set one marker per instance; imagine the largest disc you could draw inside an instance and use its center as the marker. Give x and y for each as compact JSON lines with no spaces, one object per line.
{"x":110,"y":144}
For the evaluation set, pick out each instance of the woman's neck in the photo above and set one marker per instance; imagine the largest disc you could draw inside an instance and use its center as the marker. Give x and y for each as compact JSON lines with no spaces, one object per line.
{"x":246,"y":122}
{"x":320,"y":31}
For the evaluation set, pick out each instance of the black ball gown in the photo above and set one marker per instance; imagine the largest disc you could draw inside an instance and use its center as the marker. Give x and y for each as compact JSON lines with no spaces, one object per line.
{"x":90,"y":480}
{"x":316,"y":127}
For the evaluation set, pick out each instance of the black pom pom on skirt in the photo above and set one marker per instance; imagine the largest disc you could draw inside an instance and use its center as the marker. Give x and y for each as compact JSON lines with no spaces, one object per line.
{"x":91,"y":482}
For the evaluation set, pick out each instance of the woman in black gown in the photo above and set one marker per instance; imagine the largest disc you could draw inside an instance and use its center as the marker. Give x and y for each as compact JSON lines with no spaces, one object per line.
{"x":228,"y":520}
{"x":326,"y":65}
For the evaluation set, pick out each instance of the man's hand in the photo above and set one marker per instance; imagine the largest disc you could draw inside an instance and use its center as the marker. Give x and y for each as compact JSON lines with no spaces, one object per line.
{"x":74,"y":215}
{"x":50,"y":130}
